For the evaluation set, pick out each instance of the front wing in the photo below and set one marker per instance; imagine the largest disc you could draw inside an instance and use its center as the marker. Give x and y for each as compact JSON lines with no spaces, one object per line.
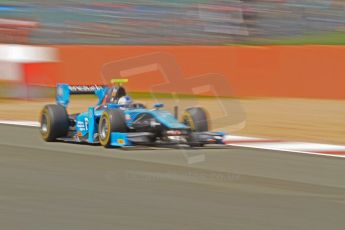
{"x":131,"y":139}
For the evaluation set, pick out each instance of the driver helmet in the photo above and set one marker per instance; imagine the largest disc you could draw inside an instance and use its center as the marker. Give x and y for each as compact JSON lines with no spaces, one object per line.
{"x":125,"y":101}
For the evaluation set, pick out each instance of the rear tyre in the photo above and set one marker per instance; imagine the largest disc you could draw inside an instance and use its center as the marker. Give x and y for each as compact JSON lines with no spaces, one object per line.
{"x":111,"y":121}
{"x":54,"y":122}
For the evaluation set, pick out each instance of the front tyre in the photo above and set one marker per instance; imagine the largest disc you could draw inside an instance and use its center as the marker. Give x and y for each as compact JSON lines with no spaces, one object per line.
{"x":196,"y":119}
{"x":54,"y":122}
{"x":111,"y":121}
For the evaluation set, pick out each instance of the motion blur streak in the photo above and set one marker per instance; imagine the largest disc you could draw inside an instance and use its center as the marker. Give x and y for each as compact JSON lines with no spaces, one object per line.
{"x":165,"y":22}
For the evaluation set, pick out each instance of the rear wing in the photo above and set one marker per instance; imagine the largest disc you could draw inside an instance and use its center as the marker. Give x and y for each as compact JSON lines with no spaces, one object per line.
{"x":64,"y":91}
{"x":85,"y":89}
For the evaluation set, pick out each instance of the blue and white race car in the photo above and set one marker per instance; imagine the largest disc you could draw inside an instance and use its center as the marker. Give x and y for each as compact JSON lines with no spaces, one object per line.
{"x":118,"y":121}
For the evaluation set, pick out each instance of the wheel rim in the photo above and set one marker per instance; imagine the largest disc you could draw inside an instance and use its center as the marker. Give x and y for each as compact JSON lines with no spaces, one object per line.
{"x":186,"y":121}
{"x":44,"y":124}
{"x":104,"y":128}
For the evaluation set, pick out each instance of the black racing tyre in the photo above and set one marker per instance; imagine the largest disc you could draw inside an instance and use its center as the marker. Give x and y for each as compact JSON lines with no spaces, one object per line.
{"x":196,"y":119}
{"x":111,"y":121}
{"x":54,"y":122}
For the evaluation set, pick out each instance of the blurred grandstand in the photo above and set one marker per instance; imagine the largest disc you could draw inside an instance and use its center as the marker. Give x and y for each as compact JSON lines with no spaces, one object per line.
{"x":144,"y":22}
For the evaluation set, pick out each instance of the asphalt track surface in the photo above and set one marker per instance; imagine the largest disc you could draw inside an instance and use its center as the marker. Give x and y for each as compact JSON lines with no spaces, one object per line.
{"x":69,"y":186}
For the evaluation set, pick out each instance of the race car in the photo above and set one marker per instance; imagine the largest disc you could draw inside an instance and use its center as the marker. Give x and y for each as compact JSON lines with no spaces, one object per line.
{"x":117,"y":121}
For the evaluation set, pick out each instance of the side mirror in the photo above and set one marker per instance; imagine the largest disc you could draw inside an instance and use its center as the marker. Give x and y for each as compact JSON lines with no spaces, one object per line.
{"x":158,"y":105}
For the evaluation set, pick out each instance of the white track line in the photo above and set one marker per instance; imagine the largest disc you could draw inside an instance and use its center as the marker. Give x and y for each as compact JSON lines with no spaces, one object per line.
{"x":297,"y":146}
{"x":253,"y":142}
{"x":290,"y":151}
{"x":21,"y":123}
{"x":286,"y":146}
{"x":241,"y":138}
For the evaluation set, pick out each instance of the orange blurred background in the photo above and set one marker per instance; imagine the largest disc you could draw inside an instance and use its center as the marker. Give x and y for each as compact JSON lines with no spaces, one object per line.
{"x":250,"y":71}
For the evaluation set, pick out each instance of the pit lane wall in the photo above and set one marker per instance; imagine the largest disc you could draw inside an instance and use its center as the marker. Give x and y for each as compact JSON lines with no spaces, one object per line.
{"x":241,"y":71}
